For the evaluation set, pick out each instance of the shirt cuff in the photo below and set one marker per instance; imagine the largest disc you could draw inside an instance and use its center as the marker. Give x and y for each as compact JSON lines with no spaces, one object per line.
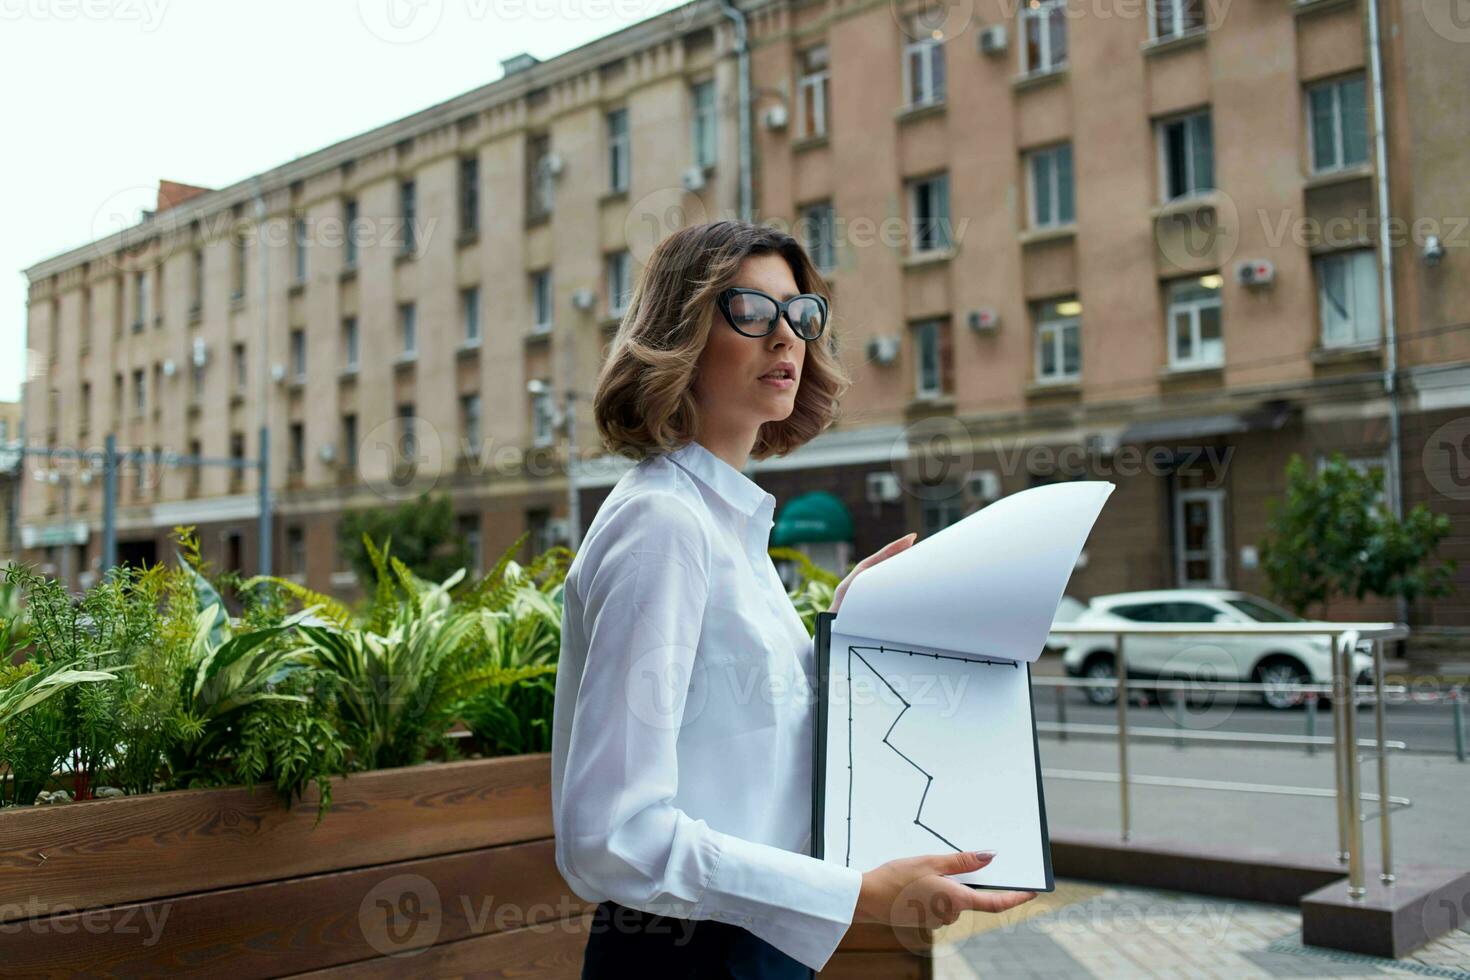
{"x":799,"y":904}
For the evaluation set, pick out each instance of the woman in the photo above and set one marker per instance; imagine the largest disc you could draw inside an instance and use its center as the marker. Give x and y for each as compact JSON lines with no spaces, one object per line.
{"x":682,"y":742}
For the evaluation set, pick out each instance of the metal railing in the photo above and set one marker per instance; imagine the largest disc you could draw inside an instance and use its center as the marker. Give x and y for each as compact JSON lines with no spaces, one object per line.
{"x":1346,"y":695}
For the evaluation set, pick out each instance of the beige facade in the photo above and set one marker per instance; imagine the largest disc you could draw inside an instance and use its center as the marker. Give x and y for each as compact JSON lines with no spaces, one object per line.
{"x":1041,"y":223}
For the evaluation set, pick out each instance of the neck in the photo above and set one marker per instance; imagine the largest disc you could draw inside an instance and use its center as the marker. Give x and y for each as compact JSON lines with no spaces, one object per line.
{"x":732,"y":444}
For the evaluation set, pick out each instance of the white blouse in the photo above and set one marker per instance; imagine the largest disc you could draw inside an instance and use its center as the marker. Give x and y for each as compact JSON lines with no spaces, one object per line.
{"x":681,"y":760}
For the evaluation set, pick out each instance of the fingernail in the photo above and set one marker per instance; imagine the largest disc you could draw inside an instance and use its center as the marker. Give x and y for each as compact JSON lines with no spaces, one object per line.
{"x":983,"y":855}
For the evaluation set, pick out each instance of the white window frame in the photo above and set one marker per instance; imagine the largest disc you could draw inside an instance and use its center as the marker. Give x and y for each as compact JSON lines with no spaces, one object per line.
{"x":704,"y":123}
{"x":470,"y":414}
{"x":1161,"y":31}
{"x":1041,"y":13}
{"x":920,"y":45}
{"x":1193,"y":308}
{"x":1359,"y":284}
{"x":1191,"y":124}
{"x":408,"y":330}
{"x":1051,"y":155}
{"x":1335,"y":87}
{"x":619,"y":282}
{"x":469,"y":314}
{"x":298,"y":353}
{"x":1214,"y":498}
{"x":1051,"y":332}
{"x":542,"y":305}
{"x":468,"y":199}
{"x":941,"y":239}
{"x":619,"y":151}
{"x":926,"y":351}
{"x":298,"y":250}
{"x":349,"y":343}
{"x":813,"y":65}
{"x":408,"y":206}
{"x":349,"y":243}
{"x":818,"y":221}
{"x":543,"y":417}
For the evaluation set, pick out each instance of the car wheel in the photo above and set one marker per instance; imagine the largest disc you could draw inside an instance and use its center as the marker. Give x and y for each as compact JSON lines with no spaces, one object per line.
{"x":1100,"y":669}
{"x":1281,"y":675}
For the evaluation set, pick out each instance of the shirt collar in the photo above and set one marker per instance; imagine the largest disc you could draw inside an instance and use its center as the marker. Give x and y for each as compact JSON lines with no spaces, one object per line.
{"x":737,"y":489}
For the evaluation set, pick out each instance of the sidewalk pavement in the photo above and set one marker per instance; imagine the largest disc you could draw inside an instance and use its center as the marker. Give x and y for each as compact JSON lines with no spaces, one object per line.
{"x":1084,"y":930}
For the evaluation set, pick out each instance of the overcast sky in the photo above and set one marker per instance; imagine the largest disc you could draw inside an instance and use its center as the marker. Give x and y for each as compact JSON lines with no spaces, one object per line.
{"x":102,"y":98}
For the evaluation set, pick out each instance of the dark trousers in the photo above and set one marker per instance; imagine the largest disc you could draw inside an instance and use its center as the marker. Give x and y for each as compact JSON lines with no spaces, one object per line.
{"x":626,"y":942}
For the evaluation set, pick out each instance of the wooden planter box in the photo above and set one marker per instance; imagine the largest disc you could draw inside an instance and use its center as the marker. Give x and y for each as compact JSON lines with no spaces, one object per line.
{"x":439,"y":869}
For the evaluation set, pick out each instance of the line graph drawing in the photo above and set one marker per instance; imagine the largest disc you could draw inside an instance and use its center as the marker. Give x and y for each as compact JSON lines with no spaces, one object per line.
{"x":854,"y":650}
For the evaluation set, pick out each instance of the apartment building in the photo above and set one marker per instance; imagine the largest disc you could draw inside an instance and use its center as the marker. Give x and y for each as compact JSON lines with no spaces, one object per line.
{"x":1129,"y":241}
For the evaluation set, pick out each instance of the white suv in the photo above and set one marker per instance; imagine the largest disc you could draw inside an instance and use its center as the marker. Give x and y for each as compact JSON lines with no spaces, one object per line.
{"x":1265,"y":659}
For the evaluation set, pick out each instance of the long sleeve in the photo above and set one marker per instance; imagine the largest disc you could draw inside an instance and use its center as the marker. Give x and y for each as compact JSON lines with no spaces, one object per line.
{"x":644,"y":590}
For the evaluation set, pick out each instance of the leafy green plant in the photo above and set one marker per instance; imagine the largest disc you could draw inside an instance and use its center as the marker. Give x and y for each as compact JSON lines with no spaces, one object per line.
{"x":815,"y":586}
{"x":422,"y":531}
{"x":1331,"y":536}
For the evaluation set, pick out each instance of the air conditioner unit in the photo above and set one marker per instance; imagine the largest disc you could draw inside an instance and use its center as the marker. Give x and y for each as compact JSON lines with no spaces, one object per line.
{"x":776,"y":117}
{"x":984,"y":319}
{"x":693,"y":179}
{"x":983,"y":485}
{"x":169,"y":368}
{"x":883,"y":350}
{"x":200,"y":352}
{"x":584,"y":299}
{"x":554,"y":164}
{"x":993,"y":39}
{"x":327,"y":453}
{"x":278,"y":373}
{"x":557,"y":529}
{"x":882,"y":488}
{"x":1101,"y":443}
{"x":1255,"y":273}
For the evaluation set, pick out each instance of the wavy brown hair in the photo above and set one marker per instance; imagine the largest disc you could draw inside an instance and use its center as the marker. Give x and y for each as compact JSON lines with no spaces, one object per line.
{"x":644,"y":403}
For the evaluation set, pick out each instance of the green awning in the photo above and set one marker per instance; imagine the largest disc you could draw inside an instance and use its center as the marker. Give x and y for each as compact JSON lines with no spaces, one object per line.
{"x":809,"y":517}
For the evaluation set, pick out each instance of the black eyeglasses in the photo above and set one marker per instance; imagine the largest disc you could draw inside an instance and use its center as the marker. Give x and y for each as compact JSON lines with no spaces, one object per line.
{"x":754,"y":313}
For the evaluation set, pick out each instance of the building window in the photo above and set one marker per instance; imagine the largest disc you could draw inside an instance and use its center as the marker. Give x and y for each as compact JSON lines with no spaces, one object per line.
{"x":929,"y":379}
{"x":196,"y":382}
{"x":923,"y":65}
{"x":817,"y":233}
{"x":543,"y":416}
{"x":704,"y":128}
{"x":619,"y":282}
{"x":1049,"y":186}
{"x":295,"y":550}
{"x":929,"y":214}
{"x":1058,"y":340}
{"x":1347,"y":297}
{"x":541,"y":305}
{"x":407,"y":442}
{"x":469,"y":313}
{"x":196,"y":286}
{"x":349,"y":441}
{"x":237,"y":268}
{"x":619,"y":158}
{"x":298,"y":447}
{"x":1175,"y":18}
{"x":469,"y":421}
{"x":1187,"y":155}
{"x":117,"y":397}
{"x":196,"y":469}
{"x":238,"y":356}
{"x":298,"y":354}
{"x":539,"y":176}
{"x":1043,"y":36}
{"x":140,"y":300}
{"x":408,"y":329}
{"x":1338,"y":124}
{"x":942,"y":510}
{"x":86,"y":410}
{"x":237,"y":459}
{"x":140,"y":392}
{"x":349,"y":343}
{"x":1194,"y":323}
{"x":811,"y":91}
{"x":1199,"y":540}
{"x":469,"y":533}
{"x":349,"y":221}
{"x":469,"y":195}
{"x":298,"y":249}
{"x":408,"y":213}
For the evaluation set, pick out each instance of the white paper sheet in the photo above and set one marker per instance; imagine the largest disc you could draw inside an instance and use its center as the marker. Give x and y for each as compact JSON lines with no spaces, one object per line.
{"x":989,"y":583}
{"x":927,"y":718}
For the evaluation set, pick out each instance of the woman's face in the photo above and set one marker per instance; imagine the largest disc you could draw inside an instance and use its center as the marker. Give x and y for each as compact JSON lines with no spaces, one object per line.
{"x":731,"y":392}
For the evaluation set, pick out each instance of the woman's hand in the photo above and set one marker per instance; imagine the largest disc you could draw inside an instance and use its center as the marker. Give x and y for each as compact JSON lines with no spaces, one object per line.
{"x":915,"y":891}
{"x":888,"y":551}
